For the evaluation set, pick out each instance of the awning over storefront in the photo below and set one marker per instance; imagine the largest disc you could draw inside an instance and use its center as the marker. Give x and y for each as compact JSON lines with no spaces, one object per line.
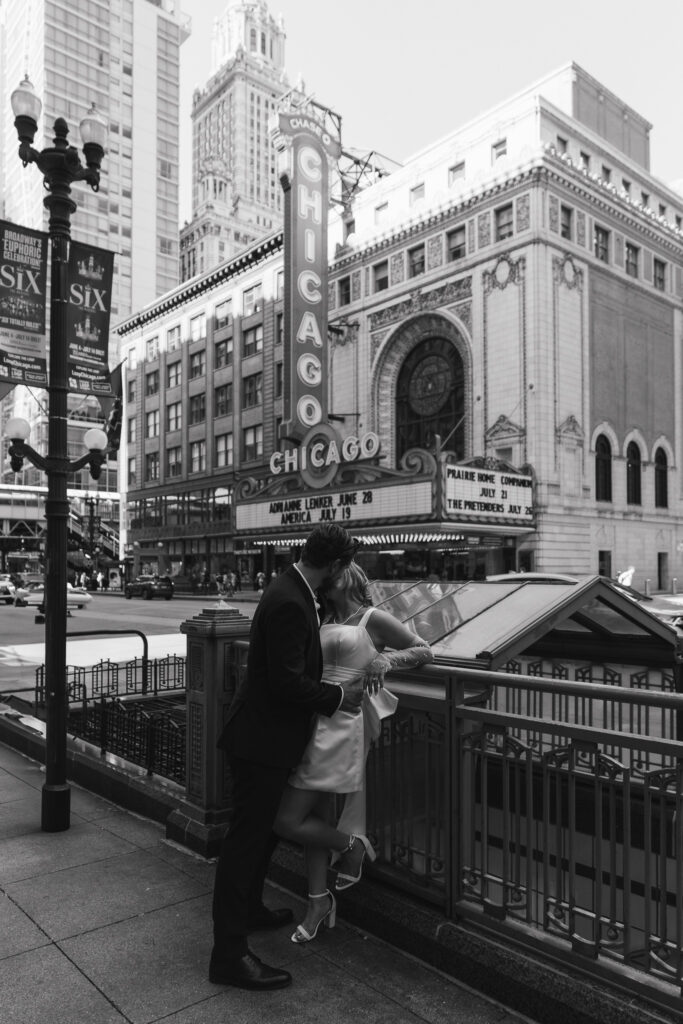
{"x":400,"y":534}
{"x":82,"y":560}
{"x":78,"y":560}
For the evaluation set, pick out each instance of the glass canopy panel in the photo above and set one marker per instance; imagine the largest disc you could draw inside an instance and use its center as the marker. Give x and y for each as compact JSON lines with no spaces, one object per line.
{"x":571,"y":626}
{"x":435,"y":609}
{"x":389,"y":590}
{"x":471,"y":600}
{"x":404,"y":601}
{"x":516,"y":610}
{"x":606,"y":618}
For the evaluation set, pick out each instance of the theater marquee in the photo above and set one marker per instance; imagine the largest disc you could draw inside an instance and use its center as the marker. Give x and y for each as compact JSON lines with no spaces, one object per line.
{"x":348,"y":507}
{"x":474,"y":492}
{"x":329,"y":479}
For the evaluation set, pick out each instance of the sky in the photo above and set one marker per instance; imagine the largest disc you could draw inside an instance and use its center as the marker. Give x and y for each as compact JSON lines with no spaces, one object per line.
{"x":404,"y":74}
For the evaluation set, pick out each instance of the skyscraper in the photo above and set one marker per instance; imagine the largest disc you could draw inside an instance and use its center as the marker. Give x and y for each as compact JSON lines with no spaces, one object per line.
{"x":122,"y":55}
{"x":236,"y":195}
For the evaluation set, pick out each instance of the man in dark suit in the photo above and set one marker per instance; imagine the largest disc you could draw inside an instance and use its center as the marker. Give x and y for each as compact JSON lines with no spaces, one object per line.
{"x":264,"y":738}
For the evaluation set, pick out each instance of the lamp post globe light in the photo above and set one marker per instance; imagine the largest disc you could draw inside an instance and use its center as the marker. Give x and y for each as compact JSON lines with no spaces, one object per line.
{"x":60,"y":166}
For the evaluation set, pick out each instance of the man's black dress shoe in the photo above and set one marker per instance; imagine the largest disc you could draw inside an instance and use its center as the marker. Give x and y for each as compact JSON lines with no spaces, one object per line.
{"x":248,"y":972}
{"x":266,"y":918}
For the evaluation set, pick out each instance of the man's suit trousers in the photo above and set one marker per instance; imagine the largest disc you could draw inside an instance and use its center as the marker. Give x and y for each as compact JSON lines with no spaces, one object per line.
{"x":245,"y":853}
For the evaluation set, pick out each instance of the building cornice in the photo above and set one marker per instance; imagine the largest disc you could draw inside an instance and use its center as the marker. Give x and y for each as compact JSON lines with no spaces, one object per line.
{"x":414,"y":230}
{"x":614,"y":202}
{"x":247,"y":260}
{"x":549,"y":166}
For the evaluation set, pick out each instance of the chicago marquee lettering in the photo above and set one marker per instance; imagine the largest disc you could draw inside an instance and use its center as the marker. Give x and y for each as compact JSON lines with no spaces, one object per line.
{"x":322,"y":454}
{"x":305,"y":151}
{"x":309,"y":211}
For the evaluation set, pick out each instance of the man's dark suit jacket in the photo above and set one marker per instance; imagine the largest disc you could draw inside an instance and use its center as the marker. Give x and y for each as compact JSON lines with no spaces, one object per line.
{"x":271,"y":716}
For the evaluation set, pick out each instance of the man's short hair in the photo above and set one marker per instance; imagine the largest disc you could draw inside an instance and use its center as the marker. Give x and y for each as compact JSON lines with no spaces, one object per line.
{"x":326,"y":544}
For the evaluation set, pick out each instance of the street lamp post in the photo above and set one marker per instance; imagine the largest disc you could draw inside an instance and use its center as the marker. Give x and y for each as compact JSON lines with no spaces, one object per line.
{"x":60,"y":166}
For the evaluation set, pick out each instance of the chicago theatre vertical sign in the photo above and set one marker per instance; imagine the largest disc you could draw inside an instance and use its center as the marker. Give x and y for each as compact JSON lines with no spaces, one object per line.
{"x":305,"y":153}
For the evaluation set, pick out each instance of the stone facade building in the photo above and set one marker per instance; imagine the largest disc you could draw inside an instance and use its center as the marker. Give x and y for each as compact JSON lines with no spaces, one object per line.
{"x":505,"y":319}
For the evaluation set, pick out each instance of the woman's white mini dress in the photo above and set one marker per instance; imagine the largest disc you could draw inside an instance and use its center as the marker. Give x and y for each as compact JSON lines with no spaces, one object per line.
{"x":334,"y":759}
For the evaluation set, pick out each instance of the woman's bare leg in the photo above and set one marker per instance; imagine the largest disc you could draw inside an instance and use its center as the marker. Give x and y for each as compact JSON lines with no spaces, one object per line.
{"x":320,"y":900}
{"x":298,"y":819}
{"x":299,"y":806}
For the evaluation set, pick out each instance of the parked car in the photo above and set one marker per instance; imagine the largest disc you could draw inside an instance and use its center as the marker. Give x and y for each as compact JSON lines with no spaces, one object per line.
{"x":7,"y":588}
{"x":149,"y":587}
{"x":33,"y":595}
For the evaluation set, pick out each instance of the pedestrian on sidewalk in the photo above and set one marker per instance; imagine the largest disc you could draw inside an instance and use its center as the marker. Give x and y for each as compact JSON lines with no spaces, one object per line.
{"x":267,"y":730}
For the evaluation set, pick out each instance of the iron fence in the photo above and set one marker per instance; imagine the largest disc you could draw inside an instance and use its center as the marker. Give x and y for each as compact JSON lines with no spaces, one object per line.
{"x":551,"y":812}
{"x":582,"y":708}
{"x":103,"y":710}
{"x":549,"y":809}
{"x":150,"y":734}
{"x":409,"y":793}
{"x":137,"y":677}
{"x":569,"y":830}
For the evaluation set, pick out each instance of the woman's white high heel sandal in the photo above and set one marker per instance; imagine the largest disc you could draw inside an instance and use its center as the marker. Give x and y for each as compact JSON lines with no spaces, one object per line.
{"x":346,"y":880}
{"x":329,"y":920}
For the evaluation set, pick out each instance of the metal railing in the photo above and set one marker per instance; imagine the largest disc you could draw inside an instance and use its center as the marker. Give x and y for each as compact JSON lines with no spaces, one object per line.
{"x":137,"y":677}
{"x":549,"y":810}
{"x":409,"y":788}
{"x":562,"y":832}
{"x":148,"y":732}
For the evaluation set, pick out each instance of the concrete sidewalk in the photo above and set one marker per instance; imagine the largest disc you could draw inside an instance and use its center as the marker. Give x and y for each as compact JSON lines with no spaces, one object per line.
{"x":109,"y":923}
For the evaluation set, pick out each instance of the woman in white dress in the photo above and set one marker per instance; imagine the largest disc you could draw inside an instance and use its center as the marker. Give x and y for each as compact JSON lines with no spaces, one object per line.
{"x":354,"y":639}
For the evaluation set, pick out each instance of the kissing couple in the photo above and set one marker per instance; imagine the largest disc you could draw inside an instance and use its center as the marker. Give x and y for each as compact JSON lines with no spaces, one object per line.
{"x":297,"y":733}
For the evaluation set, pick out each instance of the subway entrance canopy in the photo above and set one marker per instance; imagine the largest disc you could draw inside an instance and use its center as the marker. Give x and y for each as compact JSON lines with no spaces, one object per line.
{"x":543,"y":623}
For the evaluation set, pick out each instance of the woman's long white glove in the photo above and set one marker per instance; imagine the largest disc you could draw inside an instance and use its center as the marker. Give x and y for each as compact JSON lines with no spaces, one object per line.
{"x":409,"y":657}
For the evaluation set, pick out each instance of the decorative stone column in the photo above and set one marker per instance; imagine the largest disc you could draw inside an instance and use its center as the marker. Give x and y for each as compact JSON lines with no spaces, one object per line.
{"x":212,"y":675}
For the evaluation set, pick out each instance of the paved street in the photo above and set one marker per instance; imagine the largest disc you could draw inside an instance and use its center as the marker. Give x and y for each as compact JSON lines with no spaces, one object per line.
{"x":22,"y":639}
{"x":112,"y":611}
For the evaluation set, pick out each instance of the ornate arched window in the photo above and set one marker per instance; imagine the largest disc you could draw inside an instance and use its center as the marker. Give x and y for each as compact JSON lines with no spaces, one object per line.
{"x":603,"y":469}
{"x":430,"y":397}
{"x":661,"y":479}
{"x":633,"y":474}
